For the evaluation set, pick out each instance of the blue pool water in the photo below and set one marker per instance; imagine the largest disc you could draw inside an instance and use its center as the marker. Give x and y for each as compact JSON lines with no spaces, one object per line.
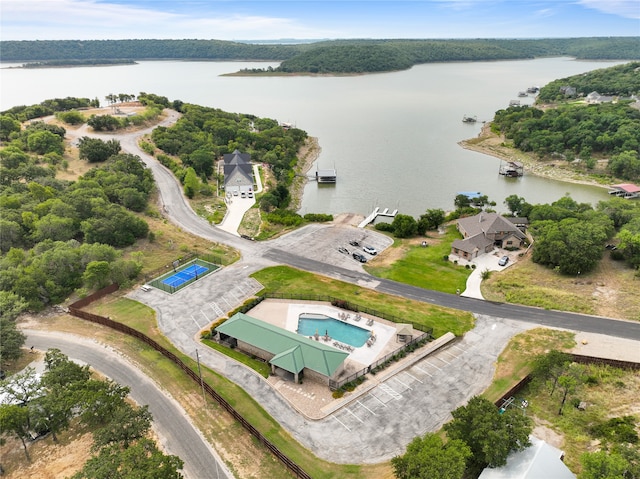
{"x":309,"y":324}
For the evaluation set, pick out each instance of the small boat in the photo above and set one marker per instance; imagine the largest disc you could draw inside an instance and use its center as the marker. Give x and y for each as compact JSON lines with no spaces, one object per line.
{"x":469,"y":119}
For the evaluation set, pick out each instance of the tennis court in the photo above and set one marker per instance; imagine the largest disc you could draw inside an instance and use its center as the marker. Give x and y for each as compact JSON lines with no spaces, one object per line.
{"x":187,"y":274}
{"x":184,"y":275}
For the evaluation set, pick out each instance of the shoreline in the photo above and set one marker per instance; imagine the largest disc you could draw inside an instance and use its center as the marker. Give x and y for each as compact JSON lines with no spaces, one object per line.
{"x":488,"y":143}
{"x":307,"y":156}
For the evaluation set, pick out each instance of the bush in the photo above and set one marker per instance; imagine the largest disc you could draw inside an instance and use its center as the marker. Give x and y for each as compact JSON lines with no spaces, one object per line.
{"x":388,"y":227}
{"x":318,"y":217}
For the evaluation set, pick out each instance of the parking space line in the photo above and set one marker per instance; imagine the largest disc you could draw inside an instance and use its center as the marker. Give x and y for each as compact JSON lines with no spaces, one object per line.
{"x":205,"y":316}
{"x":405,"y":385}
{"x":446,"y":351}
{"x":433,"y":365}
{"x":459,"y":348}
{"x":413,"y":377}
{"x":194,"y":320}
{"x":349,"y":411}
{"x":391,"y":392}
{"x":422,"y":370}
{"x":366,"y":408}
{"x":446,"y":362}
{"x":376,"y":398}
{"x":345,"y":426}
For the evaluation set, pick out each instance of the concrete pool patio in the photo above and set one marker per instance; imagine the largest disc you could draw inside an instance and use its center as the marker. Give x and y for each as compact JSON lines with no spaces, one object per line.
{"x":314,"y":399}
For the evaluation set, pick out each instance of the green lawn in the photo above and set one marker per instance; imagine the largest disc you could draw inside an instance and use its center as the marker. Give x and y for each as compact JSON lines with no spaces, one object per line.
{"x":426,"y":267}
{"x":283,"y":279}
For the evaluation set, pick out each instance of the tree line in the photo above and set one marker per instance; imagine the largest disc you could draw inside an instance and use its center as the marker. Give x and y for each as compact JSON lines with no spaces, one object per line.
{"x":67,"y":393}
{"x":339,"y":56}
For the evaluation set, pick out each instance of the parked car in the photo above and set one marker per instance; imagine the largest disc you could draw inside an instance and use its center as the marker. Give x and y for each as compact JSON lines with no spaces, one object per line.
{"x":343,"y":250}
{"x":359,"y":257}
{"x":354,"y":243}
{"x":371,"y":250}
{"x":235,"y":192}
{"x":503,"y":261}
{"x":243,"y":194}
{"x":250,"y":194}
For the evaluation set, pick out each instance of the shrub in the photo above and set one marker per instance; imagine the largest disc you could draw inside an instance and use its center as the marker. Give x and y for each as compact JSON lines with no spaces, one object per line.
{"x":318,"y":217}
{"x":388,"y":227}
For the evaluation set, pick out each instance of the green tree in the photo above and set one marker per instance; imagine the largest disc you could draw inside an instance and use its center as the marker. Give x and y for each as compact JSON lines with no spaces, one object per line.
{"x":43,"y":141}
{"x":23,"y":387}
{"x":626,"y":165}
{"x":100,"y":400}
{"x":601,"y":465}
{"x":141,"y":460}
{"x":8,"y":125}
{"x":550,"y":366}
{"x":515,"y":204}
{"x":191,"y":183}
{"x":95,"y":150}
{"x":431,"y":220}
{"x":428,"y":458}
{"x":14,"y":420}
{"x":490,"y":435}
{"x":127,"y":425}
{"x":404,"y":226}
{"x":97,"y":274}
{"x":104,"y":122}
{"x":11,"y":338}
{"x":11,"y":306}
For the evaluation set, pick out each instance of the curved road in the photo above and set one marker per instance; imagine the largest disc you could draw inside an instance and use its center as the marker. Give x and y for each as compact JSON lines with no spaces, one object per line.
{"x":178,"y":435}
{"x":327,"y":438}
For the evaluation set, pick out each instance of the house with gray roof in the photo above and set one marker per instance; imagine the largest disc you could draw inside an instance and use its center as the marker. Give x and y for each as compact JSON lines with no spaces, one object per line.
{"x":483,"y":232}
{"x":282,"y":349}
{"x":238,"y":173}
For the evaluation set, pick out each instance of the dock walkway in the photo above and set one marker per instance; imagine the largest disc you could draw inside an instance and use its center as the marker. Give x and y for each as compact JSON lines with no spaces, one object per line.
{"x":376,"y":212}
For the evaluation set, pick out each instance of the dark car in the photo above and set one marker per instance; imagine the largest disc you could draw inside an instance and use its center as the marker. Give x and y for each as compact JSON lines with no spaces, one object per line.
{"x":354,"y":243}
{"x":359,"y":257}
{"x":343,"y":250}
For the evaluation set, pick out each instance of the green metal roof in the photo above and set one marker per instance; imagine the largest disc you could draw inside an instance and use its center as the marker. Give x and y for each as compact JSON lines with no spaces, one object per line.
{"x":292,"y":351}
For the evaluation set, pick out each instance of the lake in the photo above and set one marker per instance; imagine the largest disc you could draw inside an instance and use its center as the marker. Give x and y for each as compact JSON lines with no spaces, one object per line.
{"x":392,"y":137}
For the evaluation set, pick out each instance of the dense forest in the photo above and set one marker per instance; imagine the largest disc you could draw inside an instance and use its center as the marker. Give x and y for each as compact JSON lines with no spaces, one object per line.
{"x":579,"y":131}
{"x":620,"y":80}
{"x":339,"y":56}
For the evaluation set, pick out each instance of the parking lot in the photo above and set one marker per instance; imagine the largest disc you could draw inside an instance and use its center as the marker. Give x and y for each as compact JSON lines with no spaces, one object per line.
{"x":323,"y":243}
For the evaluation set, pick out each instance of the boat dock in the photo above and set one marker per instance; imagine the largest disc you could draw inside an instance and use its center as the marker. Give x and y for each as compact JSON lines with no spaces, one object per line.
{"x":376,"y":212}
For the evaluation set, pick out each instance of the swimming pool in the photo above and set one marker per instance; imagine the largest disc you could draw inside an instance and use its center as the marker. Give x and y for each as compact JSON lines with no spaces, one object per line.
{"x":310,"y":324}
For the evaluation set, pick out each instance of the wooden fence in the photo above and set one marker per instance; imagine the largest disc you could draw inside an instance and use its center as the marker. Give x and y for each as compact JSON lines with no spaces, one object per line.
{"x":75,"y":310}
{"x":578,"y":358}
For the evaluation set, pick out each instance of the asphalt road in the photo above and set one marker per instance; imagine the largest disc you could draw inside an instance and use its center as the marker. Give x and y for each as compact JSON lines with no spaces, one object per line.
{"x":178,"y":435}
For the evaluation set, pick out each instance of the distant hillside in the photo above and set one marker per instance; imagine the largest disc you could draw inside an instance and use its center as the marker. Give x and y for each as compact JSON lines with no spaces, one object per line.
{"x":338,"y":56}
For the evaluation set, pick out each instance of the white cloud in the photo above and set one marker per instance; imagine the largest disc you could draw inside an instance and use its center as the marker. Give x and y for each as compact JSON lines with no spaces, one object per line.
{"x":90,"y":19}
{"x":622,"y":8}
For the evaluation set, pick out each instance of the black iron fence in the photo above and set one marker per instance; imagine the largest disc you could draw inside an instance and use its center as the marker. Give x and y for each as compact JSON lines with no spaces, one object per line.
{"x":393,"y":356}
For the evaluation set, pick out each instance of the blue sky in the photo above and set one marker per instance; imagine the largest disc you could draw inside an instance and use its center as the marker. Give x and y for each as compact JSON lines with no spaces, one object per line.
{"x":302,"y":19}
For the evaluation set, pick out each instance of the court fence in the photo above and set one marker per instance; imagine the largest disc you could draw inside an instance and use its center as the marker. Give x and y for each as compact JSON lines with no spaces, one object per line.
{"x":178,"y":267}
{"x":74,"y":310}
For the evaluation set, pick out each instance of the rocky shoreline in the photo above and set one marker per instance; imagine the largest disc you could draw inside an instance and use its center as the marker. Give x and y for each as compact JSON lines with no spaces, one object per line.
{"x":492,"y":144}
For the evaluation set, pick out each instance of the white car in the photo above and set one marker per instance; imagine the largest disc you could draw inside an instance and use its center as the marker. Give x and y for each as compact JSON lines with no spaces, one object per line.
{"x":370,"y":249}
{"x":503,"y":261}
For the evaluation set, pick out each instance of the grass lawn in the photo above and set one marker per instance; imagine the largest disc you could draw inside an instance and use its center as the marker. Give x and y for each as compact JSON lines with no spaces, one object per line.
{"x":425,"y":267}
{"x":516,"y":360}
{"x":609,"y":290}
{"x":293,"y":281}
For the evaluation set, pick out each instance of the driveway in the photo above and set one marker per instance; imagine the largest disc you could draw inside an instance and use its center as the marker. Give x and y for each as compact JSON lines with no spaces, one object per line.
{"x":485,"y":262}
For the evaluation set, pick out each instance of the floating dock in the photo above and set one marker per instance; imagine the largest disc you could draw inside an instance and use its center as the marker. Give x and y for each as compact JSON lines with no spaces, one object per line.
{"x":376,"y":212}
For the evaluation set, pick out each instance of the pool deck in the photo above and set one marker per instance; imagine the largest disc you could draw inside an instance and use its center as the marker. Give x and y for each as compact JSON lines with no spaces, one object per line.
{"x":311,"y":398}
